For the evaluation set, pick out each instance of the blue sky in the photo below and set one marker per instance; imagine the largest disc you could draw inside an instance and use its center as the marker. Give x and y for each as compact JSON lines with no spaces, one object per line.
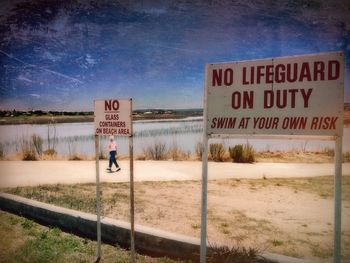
{"x":63,"y":56}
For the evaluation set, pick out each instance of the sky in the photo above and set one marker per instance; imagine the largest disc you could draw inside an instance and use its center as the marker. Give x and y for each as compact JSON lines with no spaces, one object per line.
{"x":61,"y":55}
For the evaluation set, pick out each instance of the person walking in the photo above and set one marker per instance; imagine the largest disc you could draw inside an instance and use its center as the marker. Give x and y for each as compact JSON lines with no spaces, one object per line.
{"x":112,"y":148}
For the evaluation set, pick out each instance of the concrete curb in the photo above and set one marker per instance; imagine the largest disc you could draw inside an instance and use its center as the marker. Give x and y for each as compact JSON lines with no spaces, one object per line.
{"x":148,"y":240}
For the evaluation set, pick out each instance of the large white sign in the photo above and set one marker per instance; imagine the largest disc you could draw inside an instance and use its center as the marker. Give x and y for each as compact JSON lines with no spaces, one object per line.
{"x":299,"y":95}
{"x":113,"y":117}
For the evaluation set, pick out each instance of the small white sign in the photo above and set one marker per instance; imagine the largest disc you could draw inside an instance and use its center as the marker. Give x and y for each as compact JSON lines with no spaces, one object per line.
{"x":113,"y":117}
{"x":299,"y":95}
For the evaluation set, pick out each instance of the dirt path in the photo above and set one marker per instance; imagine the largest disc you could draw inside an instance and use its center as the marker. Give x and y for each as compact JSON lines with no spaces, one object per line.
{"x":20,"y":173}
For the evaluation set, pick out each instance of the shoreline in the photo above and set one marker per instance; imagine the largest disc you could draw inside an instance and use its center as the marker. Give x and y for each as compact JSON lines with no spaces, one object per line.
{"x":90,"y":118}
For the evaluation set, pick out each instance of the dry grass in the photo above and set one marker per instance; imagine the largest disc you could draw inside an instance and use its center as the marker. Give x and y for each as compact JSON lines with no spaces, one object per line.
{"x":175,"y":206}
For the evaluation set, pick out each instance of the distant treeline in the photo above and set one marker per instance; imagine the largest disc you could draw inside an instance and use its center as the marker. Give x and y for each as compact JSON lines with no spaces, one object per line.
{"x":17,"y":113}
{"x":14,"y":113}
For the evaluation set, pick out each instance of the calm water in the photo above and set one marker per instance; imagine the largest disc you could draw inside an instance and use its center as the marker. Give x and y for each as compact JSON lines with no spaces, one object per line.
{"x":79,"y":138}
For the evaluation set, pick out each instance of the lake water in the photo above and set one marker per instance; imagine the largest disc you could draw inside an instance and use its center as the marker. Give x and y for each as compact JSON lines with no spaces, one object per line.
{"x":186,"y":133}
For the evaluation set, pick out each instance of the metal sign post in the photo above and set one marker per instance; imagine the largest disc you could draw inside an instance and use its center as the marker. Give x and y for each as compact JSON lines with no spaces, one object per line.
{"x":132,"y":202}
{"x":114,"y":117}
{"x":203,"y":247}
{"x":337,"y":199}
{"x":98,"y":201}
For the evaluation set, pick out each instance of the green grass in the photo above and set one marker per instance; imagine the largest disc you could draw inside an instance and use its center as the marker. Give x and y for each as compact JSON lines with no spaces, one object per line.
{"x":277,"y":243}
{"x":23,"y":240}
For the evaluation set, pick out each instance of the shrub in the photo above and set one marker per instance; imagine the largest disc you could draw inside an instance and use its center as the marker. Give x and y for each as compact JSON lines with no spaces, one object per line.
{"x":50,"y":152}
{"x":157,"y":151}
{"x":217,"y":152}
{"x":236,"y":153}
{"x":248,"y":153}
{"x":74,"y":157}
{"x":199,"y":149}
{"x":102,"y":156}
{"x":242,"y":154}
{"x":28,"y":150}
{"x":2,"y":152}
{"x":37,"y":143}
{"x":346,"y":157}
{"x":175,"y":152}
{"x":328,"y":151}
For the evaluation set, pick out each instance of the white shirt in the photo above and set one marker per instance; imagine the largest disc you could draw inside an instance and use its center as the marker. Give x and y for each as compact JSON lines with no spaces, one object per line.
{"x":112,"y":146}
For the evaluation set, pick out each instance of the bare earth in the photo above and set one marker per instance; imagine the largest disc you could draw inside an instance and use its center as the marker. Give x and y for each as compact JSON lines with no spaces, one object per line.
{"x":265,"y":214}
{"x":21,"y":173}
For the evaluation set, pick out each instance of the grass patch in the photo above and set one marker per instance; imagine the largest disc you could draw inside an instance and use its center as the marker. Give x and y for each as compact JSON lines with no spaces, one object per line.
{"x":22,"y":240}
{"x":156,"y":151}
{"x":217,"y":152}
{"x":323,"y":186}
{"x":277,"y":243}
{"x":242,"y":154}
{"x":225,"y":254}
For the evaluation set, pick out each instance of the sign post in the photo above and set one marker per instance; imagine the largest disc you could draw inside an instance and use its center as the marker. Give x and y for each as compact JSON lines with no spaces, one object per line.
{"x":285,"y":97}
{"x":132,"y":201}
{"x":203,"y":248}
{"x":114,"y":117}
{"x":337,"y":199}
{"x":98,"y":201}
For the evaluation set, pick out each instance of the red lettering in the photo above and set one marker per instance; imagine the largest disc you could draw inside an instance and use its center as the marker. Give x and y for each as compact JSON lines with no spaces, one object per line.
{"x":217,"y":77}
{"x":280,"y":75}
{"x":281,"y":102}
{"x":306,"y":97}
{"x":319,"y":70}
{"x":305,"y":72}
{"x":245,"y":82}
{"x":292,"y":98}
{"x":228,"y":77}
{"x":333,"y":69}
{"x":291,"y":78}
{"x":269,"y":74}
{"x":268,"y":99}
{"x":111,"y":104}
{"x":247,"y":100}
{"x":260,"y":74}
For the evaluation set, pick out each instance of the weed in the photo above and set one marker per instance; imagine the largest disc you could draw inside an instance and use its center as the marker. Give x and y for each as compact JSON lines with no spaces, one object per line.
{"x":225,"y":254}
{"x":242,"y":154}
{"x":27,"y":224}
{"x":217,"y":152}
{"x":175,"y":152}
{"x":236,"y":153}
{"x":195,"y":226}
{"x":277,"y":243}
{"x":346,"y":157}
{"x":50,"y":152}
{"x":28,"y":150}
{"x":157,"y":151}
{"x":51,"y":137}
{"x":199,"y":149}
{"x":2,"y":151}
{"x":248,"y":154}
{"x":102,"y":156}
{"x":37,"y":143}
